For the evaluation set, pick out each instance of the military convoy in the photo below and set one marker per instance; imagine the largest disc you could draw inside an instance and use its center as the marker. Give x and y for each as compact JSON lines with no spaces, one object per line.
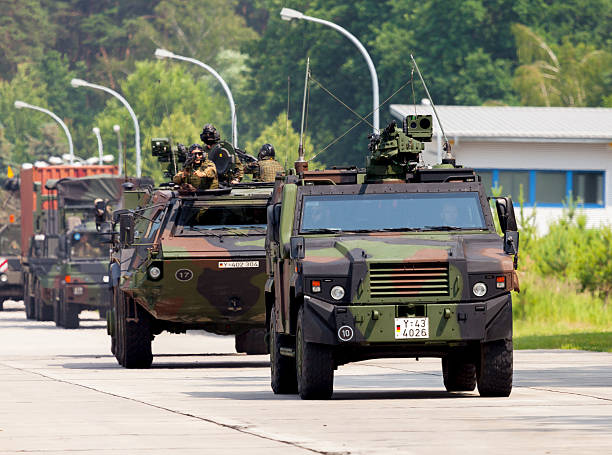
{"x":397,"y":260}
{"x":189,"y":259}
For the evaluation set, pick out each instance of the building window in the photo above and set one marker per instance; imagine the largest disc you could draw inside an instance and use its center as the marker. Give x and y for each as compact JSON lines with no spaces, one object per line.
{"x":547,"y":188}
{"x":511,"y":183}
{"x":551,"y":187}
{"x":588,"y":187}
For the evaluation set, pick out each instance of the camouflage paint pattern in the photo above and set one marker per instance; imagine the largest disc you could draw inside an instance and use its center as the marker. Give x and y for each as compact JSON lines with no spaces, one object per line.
{"x":199,"y":285}
{"x":10,"y":264}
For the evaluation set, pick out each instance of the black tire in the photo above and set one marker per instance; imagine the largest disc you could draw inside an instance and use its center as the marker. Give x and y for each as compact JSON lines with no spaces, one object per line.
{"x":57,"y":315}
{"x":314,"y":366}
{"x":459,"y":372}
{"x":494,"y":373}
{"x":1,"y":304}
{"x":133,"y":342}
{"x":42,"y":312}
{"x":102,"y":312}
{"x":111,"y":322}
{"x":282,"y":368}
{"x":28,"y":301}
{"x":252,"y":342}
{"x":69,"y":314}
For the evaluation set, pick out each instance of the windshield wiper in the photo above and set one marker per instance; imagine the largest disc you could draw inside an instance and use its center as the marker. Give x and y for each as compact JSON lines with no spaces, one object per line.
{"x":203,"y":232}
{"x":322,"y":231}
{"x":442,"y":228}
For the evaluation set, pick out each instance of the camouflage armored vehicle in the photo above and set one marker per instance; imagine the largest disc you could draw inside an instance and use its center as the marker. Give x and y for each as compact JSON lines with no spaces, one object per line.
{"x":11,"y":282}
{"x":67,"y":266}
{"x":189,"y":261}
{"x":398,"y":260}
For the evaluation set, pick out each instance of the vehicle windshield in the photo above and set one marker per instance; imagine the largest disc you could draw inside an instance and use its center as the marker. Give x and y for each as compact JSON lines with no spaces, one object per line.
{"x":10,"y":239}
{"x":392,"y":212}
{"x":194,"y":219}
{"x":89,"y":245}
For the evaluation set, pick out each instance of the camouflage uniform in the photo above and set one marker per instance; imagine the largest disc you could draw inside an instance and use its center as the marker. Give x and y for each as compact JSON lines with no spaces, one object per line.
{"x":267,"y":169}
{"x":203,"y":177}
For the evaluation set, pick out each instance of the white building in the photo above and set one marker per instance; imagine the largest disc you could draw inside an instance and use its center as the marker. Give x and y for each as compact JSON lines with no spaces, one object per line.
{"x":551,"y":152}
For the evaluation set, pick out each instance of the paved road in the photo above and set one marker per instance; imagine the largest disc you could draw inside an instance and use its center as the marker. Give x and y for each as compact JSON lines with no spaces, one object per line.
{"x":62,"y":392}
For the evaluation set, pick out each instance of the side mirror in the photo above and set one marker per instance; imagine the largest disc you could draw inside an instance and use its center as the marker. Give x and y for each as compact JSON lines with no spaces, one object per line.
{"x":274,"y":212}
{"x":505,"y":213}
{"x":511,"y":242}
{"x":118,"y":213}
{"x":297,"y":248}
{"x":126,"y":229}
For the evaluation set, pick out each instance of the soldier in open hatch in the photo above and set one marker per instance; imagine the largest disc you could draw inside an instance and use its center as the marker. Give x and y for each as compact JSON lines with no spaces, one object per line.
{"x":210,"y":136}
{"x":267,"y":167}
{"x":198,"y":172}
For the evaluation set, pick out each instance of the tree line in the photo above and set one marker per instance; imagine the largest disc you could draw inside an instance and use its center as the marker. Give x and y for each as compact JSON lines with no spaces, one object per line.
{"x":475,"y":52}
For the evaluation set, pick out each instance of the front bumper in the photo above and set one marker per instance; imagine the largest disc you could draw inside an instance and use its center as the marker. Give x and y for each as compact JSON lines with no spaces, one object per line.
{"x":449,"y":323}
{"x":96,"y":295}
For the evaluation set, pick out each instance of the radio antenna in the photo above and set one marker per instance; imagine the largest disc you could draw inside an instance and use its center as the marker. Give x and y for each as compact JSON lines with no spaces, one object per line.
{"x":447,"y":146}
{"x":301,"y":165}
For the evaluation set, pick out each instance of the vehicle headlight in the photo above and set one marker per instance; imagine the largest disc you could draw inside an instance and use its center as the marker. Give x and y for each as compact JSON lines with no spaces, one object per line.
{"x":3,"y":278}
{"x":105,"y":279}
{"x":337,"y":292}
{"x":154,"y":272}
{"x":479,"y":289}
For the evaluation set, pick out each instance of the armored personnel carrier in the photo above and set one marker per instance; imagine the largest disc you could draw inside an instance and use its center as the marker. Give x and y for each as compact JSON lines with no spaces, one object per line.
{"x":397,"y":260}
{"x":190,"y":260}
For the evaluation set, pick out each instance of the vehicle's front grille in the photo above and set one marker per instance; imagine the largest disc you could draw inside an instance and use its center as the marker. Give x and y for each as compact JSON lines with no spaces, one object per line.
{"x":419,"y":279}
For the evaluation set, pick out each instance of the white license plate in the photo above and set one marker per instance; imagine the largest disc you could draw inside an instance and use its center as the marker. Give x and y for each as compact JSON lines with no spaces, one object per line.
{"x":411,"y":328}
{"x":78,"y":291}
{"x":238,"y":264}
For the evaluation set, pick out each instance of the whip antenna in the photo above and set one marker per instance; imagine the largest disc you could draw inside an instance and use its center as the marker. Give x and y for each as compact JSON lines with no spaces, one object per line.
{"x":446,"y":147}
{"x":301,"y":165}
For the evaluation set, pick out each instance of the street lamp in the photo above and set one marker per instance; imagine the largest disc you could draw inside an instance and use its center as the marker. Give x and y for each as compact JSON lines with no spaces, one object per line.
{"x":21,"y":105}
{"x":81,"y":83}
{"x":163,"y":53}
{"x":289,"y":14}
{"x":117,"y":130}
{"x":96,"y":131}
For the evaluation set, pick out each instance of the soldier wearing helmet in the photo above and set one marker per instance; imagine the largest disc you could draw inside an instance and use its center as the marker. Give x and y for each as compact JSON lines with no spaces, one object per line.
{"x":267,"y":167}
{"x":199,"y":172}
{"x":211,"y":137}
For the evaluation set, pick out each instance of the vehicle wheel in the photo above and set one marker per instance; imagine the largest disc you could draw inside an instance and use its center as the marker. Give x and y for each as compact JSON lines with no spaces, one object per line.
{"x":69,"y":314}
{"x":102,"y":312}
{"x":252,"y":342}
{"x":282,"y":368}
{"x":314,"y":366}
{"x":459,"y":373}
{"x":28,"y":301}
{"x":1,"y":305}
{"x":134,"y":335}
{"x":494,"y":374}
{"x":111,"y":322}
{"x":57,"y":315}
{"x":42,"y":312}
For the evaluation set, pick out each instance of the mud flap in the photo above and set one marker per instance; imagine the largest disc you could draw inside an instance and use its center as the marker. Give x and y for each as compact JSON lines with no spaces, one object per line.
{"x":319,"y":322}
{"x":499,"y":319}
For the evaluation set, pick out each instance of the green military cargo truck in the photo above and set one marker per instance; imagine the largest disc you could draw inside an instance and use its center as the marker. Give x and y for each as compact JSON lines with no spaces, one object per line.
{"x":11,"y":280}
{"x":398,"y":260}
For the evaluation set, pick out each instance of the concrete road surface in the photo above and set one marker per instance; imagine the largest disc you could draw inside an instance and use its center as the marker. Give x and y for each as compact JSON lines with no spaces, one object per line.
{"x":62,"y":392}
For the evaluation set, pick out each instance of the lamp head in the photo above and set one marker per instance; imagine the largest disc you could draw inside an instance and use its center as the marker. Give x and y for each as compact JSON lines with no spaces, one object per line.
{"x":96,"y":130}
{"x":163,"y":53}
{"x":77,"y":83}
{"x":92,"y":160}
{"x":288,"y":14}
{"x":20,"y":104}
{"x":55,"y":160}
{"x":116,"y":128}
{"x":108,"y":158}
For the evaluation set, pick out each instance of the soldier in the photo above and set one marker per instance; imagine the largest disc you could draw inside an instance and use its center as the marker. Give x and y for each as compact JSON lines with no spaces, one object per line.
{"x":267,"y":167}
{"x":210,"y":136}
{"x":199,"y":172}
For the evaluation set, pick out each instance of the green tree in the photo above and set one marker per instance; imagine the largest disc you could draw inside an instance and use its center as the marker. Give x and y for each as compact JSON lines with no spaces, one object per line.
{"x":564,"y":75}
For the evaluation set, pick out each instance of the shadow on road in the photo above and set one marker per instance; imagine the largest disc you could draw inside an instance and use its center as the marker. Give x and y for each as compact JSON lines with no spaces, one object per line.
{"x":339,"y":395}
{"x":240,"y":361}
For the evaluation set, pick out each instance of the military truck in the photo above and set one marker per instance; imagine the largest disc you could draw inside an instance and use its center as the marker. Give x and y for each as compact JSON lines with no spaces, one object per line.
{"x":11,"y":282}
{"x":397,"y":260}
{"x":189,"y":261}
{"x":67,"y":263}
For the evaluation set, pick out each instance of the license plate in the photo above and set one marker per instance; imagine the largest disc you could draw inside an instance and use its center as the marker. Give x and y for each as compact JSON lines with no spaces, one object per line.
{"x":78,"y":291}
{"x":238,"y":264}
{"x":406,"y":328}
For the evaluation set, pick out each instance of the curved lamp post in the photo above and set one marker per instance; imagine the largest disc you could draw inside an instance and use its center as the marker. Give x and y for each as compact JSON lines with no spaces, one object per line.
{"x":289,"y":14}
{"x":117,"y":130}
{"x":81,"y":83}
{"x":163,"y":53}
{"x":96,"y":131}
{"x":21,"y":105}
